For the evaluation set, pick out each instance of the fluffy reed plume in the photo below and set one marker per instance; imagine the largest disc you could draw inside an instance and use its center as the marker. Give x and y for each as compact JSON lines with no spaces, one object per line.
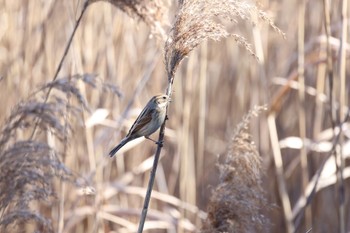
{"x":68,"y":85}
{"x":150,"y":11}
{"x":200,"y":20}
{"x":28,"y":163}
{"x":28,"y":167}
{"x":236,"y":202}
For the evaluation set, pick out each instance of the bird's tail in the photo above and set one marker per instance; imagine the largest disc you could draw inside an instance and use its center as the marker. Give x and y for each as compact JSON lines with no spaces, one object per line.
{"x":120,"y":145}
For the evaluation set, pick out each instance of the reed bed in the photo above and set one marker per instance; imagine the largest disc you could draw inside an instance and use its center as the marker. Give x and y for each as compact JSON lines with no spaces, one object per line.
{"x":257,"y":138}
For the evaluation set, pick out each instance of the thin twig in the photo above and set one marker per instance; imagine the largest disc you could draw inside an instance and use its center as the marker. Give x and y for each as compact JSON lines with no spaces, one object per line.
{"x":86,"y":4}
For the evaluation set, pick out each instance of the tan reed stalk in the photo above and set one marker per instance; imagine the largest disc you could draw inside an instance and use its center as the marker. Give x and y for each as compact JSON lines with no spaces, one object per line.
{"x":320,"y":87}
{"x":187,"y":161}
{"x":203,"y":60}
{"x":342,"y":111}
{"x":327,"y":12}
{"x":332,"y":101}
{"x":260,"y":83}
{"x":282,"y":188}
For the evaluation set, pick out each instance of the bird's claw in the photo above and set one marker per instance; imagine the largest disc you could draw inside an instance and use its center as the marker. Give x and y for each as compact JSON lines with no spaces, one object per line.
{"x":160,"y":143}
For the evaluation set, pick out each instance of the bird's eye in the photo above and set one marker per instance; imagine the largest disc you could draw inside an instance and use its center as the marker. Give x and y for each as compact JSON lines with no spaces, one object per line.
{"x":164,"y":97}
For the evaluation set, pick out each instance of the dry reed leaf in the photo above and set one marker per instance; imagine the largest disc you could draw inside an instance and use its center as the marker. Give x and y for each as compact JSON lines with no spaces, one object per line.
{"x":297,"y":143}
{"x":98,"y":116}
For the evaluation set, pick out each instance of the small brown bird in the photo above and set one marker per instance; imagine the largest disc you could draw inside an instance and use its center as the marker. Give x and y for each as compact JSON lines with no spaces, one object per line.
{"x":149,"y":120}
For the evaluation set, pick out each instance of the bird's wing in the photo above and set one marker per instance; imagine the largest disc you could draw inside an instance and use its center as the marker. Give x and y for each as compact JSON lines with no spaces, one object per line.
{"x":143,"y":119}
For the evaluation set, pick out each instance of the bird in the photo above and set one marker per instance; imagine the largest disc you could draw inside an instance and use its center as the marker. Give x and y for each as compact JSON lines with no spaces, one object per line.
{"x":148,"y":122}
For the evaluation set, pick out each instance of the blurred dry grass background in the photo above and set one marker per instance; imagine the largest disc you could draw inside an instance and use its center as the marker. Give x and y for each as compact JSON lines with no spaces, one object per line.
{"x":116,"y":63}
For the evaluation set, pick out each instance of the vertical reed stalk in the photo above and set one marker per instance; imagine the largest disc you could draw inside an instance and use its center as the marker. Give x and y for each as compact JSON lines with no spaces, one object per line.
{"x":302,"y":115}
{"x":342,"y":111}
{"x":282,"y":188}
{"x":202,"y":109}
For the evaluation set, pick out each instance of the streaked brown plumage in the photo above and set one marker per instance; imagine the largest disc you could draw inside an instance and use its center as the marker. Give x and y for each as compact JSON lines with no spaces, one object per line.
{"x":149,"y":120}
